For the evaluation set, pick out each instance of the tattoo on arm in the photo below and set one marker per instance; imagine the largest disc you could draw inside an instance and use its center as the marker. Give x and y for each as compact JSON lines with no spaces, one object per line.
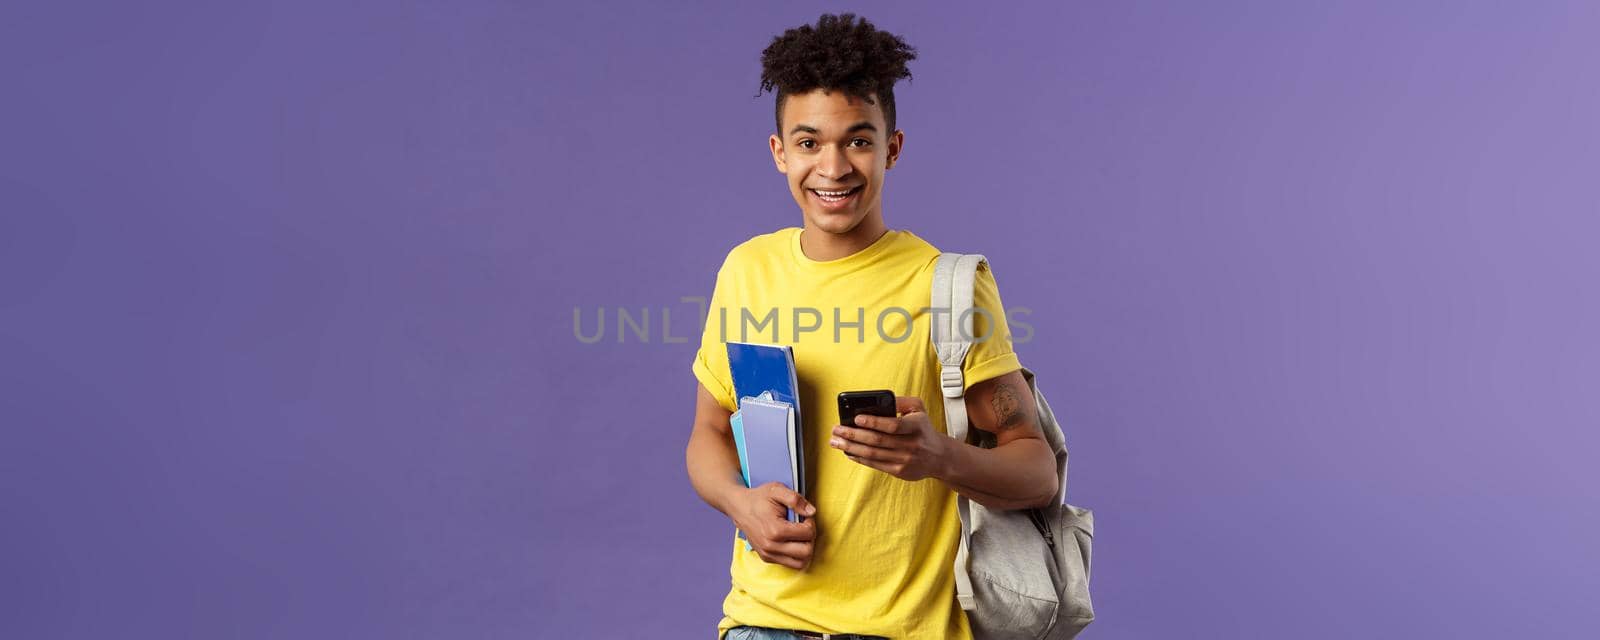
{"x":1007,"y":406}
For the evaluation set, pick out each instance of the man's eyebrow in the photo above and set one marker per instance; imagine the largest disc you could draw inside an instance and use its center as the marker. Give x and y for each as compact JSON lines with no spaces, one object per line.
{"x":859,"y":126}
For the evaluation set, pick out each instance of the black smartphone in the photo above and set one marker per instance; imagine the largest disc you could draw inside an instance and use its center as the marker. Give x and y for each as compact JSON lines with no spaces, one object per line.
{"x":872,"y":403}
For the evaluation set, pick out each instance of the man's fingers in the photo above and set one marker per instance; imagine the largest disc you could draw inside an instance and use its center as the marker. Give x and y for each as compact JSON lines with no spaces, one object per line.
{"x":789,"y":498}
{"x":878,"y":423}
{"x":785,"y":531}
{"x":799,"y":550}
{"x":787,"y":560}
{"x":908,"y":404}
{"x":867,"y":452}
{"x":783,"y":560}
{"x":869,"y":437}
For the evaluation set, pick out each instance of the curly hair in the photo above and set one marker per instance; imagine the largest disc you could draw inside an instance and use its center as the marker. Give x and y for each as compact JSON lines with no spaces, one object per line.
{"x":839,"y":53}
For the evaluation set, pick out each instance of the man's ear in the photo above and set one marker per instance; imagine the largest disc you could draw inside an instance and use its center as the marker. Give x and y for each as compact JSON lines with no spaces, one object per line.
{"x":777,"y":153}
{"x":896,"y":142}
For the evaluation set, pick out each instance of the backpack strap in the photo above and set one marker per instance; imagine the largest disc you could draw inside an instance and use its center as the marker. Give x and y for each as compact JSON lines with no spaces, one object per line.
{"x":951,"y":332}
{"x":953,"y":277}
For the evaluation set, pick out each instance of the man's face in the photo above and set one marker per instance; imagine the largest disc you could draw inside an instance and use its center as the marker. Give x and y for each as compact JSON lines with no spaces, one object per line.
{"x":835,"y":149}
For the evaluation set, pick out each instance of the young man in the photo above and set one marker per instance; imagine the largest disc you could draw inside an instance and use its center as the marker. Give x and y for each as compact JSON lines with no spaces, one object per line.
{"x":874,"y":554}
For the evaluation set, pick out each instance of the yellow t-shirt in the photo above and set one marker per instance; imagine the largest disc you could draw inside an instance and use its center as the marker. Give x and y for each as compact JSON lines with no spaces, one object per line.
{"x":882,"y":560}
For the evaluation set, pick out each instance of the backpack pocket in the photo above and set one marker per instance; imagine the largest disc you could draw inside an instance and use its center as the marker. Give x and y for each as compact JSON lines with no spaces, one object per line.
{"x":1004,"y":614}
{"x":1074,"y":536}
{"x":1013,"y":586}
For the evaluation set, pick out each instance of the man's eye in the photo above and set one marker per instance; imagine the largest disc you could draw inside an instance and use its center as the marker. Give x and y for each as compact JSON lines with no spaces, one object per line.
{"x":864,"y":142}
{"x":807,"y":144}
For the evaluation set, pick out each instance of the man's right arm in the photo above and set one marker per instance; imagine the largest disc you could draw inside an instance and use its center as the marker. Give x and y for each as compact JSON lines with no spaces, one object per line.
{"x":712,"y":459}
{"x":713,"y":462}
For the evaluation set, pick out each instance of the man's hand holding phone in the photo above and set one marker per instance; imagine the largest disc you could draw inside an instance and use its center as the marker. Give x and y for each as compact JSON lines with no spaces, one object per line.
{"x":905,"y":446}
{"x":762,"y":514}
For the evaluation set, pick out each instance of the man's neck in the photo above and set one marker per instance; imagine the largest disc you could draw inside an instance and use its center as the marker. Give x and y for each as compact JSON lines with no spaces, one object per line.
{"x":822,"y":246}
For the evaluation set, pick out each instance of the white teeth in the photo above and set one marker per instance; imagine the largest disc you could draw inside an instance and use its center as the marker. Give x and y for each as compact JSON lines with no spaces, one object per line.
{"x":832,"y":194}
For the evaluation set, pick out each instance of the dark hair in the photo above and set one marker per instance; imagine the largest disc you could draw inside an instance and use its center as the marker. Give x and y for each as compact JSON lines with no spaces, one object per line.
{"x":839,"y":53}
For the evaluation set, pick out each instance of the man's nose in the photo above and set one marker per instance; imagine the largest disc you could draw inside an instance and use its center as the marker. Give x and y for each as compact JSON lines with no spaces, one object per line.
{"x":833,"y":164}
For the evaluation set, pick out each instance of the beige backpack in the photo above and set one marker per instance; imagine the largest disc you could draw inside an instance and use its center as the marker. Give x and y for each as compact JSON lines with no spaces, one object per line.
{"x":1020,"y":574}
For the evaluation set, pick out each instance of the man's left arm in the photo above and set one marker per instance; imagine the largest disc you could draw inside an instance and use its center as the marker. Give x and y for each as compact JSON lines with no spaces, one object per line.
{"x":1019,"y":472}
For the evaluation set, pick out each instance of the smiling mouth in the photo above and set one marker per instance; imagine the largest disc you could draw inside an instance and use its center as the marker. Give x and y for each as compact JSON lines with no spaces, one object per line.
{"x":835,"y":195}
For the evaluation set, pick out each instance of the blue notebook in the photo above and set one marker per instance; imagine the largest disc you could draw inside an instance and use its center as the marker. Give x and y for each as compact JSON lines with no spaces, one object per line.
{"x":738,"y":442}
{"x":737,"y":421}
{"x":769,"y":368}
{"x":759,"y":368}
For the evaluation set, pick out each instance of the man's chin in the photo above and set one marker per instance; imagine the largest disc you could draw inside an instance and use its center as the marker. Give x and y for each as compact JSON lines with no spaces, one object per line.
{"x":835,"y":223}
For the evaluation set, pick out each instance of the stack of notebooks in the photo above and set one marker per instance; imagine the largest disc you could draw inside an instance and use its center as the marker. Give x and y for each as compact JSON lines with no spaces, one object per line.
{"x":767,"y":425}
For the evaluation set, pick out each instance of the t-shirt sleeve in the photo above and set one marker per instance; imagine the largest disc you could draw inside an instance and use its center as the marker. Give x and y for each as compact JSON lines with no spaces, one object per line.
{"x":991,"y":353}
{"x":711,"y":361}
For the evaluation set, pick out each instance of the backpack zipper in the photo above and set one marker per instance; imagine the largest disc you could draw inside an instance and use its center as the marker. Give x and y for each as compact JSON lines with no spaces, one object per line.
{"x":1043,"y":526}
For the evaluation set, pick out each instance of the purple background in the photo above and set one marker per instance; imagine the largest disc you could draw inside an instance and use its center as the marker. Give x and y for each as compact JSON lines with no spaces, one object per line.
{"x":286,"y":300}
